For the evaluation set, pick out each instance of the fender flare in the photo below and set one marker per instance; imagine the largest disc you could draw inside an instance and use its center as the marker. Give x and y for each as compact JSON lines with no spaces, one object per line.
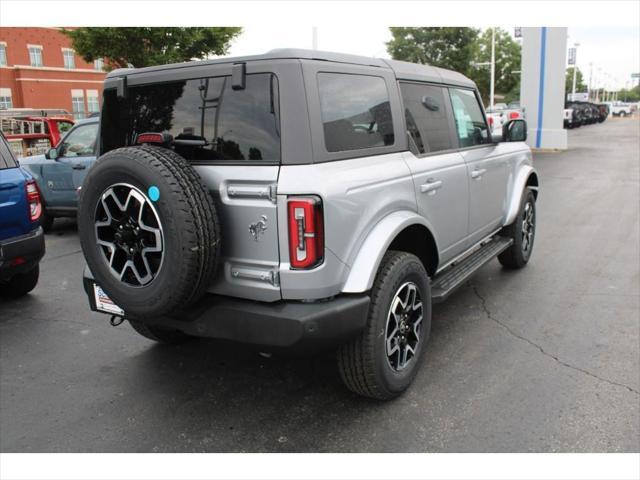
{"x":516,"y":194}
{"x":365,"y":266}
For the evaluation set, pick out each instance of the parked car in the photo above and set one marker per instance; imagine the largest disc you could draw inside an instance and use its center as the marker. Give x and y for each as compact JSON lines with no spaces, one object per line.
{"x":568,"y":118}
{"x":300,"y":200}
{"x":61,"y":170}
{"x":31,"y":134}
{"x":620,"y":109}
{"x":21,"y":237}
{"x":501,"y":114}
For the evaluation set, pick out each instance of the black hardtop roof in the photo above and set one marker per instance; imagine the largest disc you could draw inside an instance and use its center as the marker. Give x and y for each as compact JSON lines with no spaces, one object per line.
{"x":402,"y":70}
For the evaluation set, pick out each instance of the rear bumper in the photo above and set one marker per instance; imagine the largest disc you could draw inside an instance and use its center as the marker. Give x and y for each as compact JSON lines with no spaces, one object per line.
{"x":291,"y":325}
{"x":20,"y":254}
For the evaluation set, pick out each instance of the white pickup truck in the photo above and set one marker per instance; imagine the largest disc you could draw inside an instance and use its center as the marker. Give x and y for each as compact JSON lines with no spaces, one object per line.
{"x":619,"y":109}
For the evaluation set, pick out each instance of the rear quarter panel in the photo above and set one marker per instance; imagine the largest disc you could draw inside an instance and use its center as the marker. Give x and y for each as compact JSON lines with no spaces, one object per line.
{"x":356,"y":195}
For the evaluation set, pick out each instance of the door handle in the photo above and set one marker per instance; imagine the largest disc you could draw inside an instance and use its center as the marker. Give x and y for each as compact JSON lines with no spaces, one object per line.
{"x":477,"y":173}
{"x":431,"y":185}
{"x":79,"y":166}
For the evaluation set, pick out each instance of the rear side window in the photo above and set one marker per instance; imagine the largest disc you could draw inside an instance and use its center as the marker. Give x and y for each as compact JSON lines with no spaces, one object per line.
{"x":356,"y":113}
{"x":6,"y":157}
{"x":470,"y":123}
{"x":426,"y":116}
{"x":209,"y":121}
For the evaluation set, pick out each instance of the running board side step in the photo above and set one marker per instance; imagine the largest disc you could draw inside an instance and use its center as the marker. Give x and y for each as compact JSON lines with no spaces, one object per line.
{"x":446,"y":282}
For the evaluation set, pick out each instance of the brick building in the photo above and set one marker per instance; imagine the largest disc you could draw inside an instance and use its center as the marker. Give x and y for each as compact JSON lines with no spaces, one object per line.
{"x":38,"y":69}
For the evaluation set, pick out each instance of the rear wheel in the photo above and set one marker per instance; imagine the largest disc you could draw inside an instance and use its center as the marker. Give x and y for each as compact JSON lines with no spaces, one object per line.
{"x":383,"y":360}
{"x":21,"y":284}
{"x":522,"y":231}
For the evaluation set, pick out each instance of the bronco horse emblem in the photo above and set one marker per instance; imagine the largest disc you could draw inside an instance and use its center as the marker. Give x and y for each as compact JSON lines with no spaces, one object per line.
{"x":257,"y":229}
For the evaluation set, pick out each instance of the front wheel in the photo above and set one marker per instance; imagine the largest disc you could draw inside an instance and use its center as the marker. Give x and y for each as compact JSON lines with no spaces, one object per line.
{"x":46,"y":221}
{"x":383,"y":360}
{"x":522,"y":231}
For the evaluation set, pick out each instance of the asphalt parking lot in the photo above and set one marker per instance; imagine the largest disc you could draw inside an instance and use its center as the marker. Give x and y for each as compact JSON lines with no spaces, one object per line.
{"x":545,"y":359}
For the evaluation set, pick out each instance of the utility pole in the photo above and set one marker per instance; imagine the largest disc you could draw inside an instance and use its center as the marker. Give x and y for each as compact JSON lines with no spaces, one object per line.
{"x":314,"y":38}
{"x":575,"y":69}
{"x":493,"y":65}
{"x":590,"y":79}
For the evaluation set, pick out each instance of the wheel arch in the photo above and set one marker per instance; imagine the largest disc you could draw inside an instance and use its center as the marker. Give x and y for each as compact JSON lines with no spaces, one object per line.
{"x":527,"y":178}
{"x":405,"y":231}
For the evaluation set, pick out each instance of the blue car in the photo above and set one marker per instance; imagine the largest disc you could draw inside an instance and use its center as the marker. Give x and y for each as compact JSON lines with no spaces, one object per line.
{"x":21,"y":236}
{"x":61,"y":171}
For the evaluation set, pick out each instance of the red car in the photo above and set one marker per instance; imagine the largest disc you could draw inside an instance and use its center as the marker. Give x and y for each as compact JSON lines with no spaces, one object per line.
{"x":33,"y":135}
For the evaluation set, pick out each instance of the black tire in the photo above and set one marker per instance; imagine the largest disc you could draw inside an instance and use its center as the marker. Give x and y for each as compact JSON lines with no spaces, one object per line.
{"x":159,"y":334}
{"x":519,"y":253}
{"x":21,"y":283}
{"x":46,"y":221}
{"x":363,"y":363}
{"x":188,"y":222}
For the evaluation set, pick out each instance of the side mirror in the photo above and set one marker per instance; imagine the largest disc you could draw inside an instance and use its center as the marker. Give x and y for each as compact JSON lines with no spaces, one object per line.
{"x":515,"y":130}
{"x":51,"y":154}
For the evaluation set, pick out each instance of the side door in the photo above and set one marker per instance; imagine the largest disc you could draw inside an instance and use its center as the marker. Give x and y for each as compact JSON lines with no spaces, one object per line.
{"x":487,"y":165}
{"x":76,"y":153}
{"x":439,"y":171}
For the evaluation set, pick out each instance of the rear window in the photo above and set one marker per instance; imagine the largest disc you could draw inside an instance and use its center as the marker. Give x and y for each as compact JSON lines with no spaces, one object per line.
{"x":6,"y":157}
{"x":356,"y":113}
{"x":209,"y":121}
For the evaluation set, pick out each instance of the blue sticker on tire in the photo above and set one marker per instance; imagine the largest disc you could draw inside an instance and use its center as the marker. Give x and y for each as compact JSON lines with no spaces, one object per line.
{"x":154,"y":193}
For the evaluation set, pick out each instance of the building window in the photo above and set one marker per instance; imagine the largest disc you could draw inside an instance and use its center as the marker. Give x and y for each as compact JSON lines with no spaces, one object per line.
{"x":3,"y":55}
{"x":68,"y":57}
{"x":93,"y":104}
{"x":5,"y":98}
{"x":98,"y":64}
{"x":35,"y":55}
{"x":77,"y":104}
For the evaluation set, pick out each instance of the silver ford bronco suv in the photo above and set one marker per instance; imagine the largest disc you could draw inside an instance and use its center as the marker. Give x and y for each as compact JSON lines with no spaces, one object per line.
{"x":300,"y":200}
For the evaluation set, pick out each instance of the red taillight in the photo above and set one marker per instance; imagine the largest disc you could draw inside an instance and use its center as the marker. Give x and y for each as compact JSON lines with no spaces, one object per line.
{"x":152,"y":138}
{"x":306,"y":232}
{"x":490,"y":119}
{"x":513,"y":115}
{"x":34,"y":200}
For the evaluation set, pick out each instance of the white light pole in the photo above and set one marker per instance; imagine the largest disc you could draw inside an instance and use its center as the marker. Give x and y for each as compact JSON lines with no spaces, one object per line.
{"x":575,"y":69}
{"x":314,"y":38}
{"x":590,"y":80}
{"x":493,"y":66}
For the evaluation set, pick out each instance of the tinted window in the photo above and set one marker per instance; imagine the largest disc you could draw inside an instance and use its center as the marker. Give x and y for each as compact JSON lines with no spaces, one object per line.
{"x":426,"y":116}
{"x":6,"y":157}
{"x":208,"y":120}
{"x":355,"y":111}
{"x":81,"y":141}
{"x":470,"y":123}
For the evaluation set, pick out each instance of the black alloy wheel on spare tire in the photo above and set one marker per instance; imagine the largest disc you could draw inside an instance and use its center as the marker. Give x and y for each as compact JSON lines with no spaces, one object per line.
{"x":149,"y":230}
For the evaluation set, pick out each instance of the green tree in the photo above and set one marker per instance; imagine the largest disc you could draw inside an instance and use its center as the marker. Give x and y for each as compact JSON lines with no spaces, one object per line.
{"x":446,"y":47}
{"x":580,"y":85}
{"x":147,"y":46}
{"x":508,"y":56}
{"x":631,"y":95}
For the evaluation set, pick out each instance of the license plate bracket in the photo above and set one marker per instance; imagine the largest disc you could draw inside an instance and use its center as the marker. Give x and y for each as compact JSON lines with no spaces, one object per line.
{"x":104,"y":304}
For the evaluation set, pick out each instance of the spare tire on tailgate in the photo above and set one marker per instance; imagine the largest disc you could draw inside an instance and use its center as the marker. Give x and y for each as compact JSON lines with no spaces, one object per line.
{"x":149,"y":230}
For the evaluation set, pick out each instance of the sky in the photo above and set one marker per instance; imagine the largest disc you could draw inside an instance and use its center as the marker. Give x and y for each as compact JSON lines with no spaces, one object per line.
{"x":614,"y":50}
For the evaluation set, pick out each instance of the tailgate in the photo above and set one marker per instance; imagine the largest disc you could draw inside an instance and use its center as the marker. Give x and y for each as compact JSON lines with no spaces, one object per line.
{"x":14,"y":210}
{"x":245,"y":200}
